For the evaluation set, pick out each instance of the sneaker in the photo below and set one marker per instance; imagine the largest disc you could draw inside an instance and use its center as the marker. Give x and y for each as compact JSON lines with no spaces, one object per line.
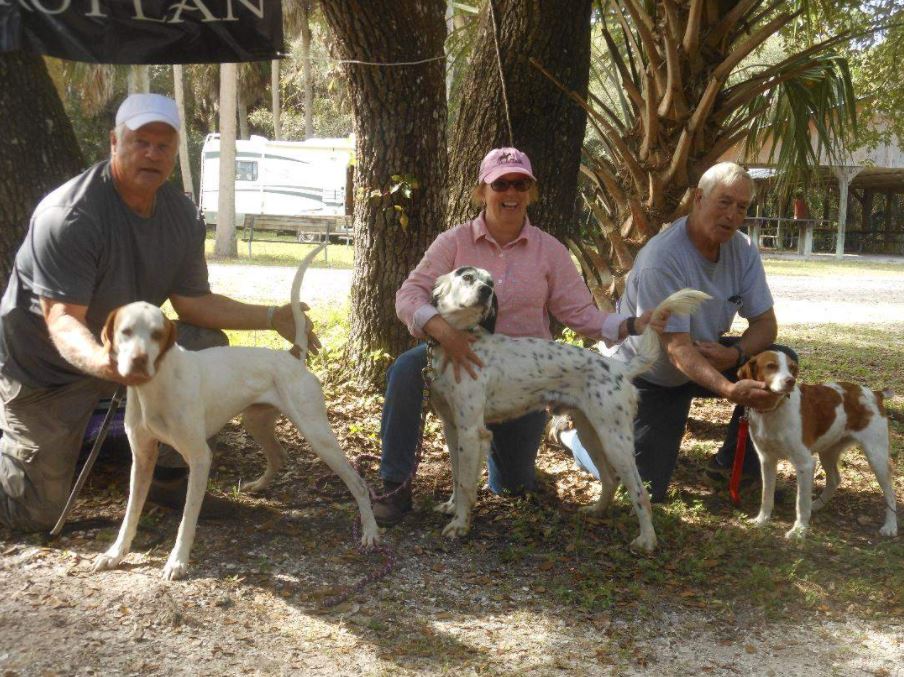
{"x":556,"y":426}
{"x":171,"y":494}
{"x":391,"y":508}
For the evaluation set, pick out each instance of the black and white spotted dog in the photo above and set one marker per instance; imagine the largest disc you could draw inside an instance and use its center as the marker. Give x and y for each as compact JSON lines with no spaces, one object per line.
{"x":521,"y":375}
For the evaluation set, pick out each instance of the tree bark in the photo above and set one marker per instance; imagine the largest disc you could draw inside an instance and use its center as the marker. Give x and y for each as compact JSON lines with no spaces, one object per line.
{"x":399,"y":120}
{"x":546,"y":124}
{"x":38,"y":149}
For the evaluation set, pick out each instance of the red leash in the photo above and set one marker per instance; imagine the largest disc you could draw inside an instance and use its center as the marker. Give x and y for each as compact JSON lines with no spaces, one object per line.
{"x":734,"y":484}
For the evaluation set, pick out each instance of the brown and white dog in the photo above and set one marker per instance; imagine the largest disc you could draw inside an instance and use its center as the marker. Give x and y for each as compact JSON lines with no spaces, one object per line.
{"x":191,"y":395}
{"x":823,"y":420}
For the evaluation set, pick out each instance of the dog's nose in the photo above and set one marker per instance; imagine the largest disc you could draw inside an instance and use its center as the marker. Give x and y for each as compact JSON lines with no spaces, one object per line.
{"x":140,"y":362}
{"x":790,"y":381}
{"x":485,"y":292}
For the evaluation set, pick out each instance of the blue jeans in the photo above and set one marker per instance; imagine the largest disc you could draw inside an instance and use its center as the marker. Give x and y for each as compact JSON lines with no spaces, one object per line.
{"x":513,"y":450}
{"x":659,"y":426}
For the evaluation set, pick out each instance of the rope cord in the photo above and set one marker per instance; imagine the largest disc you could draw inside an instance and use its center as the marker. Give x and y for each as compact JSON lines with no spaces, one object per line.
{"x":508,"y":117}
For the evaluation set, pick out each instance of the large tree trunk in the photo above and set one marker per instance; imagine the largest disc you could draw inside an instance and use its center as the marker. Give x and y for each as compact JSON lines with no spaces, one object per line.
{"x":38,"y":149}
{"x":400,"y":117}
{"x":546,"y":124}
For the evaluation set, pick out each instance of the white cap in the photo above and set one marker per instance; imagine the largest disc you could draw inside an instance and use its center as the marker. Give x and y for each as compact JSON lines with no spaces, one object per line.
{"x":142,"y":109}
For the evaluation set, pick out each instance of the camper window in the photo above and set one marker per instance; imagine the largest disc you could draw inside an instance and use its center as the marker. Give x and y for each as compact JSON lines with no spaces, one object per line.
{"x":245,"y":170}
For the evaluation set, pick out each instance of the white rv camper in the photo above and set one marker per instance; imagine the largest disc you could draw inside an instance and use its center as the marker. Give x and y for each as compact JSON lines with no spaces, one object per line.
{"x":303,"y":180}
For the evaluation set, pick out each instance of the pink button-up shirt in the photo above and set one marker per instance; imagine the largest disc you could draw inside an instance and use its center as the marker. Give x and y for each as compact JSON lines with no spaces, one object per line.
{"x":534,"y":277}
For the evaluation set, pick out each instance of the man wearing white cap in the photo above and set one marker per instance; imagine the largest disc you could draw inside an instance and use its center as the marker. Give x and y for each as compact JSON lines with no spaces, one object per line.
{"x":117,"y":233}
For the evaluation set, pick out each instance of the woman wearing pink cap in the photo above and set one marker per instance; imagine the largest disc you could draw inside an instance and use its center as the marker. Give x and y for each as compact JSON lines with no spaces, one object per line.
{"x":534,"y":277}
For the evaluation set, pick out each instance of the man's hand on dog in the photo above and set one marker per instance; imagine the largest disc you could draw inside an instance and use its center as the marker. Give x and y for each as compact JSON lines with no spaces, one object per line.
{"x":751,"y":394}
{"x":456,"y":347}
{"x":284,"y":323}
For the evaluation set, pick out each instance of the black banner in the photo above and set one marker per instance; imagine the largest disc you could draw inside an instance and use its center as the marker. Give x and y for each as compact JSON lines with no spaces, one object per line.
{"x":144,"y":31}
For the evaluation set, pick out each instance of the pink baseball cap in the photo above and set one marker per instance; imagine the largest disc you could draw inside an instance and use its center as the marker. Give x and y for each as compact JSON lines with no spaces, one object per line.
{"x":501,"y":161}
{"x":142,"y":109}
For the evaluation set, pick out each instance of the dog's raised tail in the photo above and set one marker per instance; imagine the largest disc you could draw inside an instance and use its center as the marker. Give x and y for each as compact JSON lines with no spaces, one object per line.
{"x":683,"y":302}
{"x":301,"y":330}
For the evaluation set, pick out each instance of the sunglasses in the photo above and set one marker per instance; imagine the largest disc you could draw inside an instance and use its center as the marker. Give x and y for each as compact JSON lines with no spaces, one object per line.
{"x":521,"y":185}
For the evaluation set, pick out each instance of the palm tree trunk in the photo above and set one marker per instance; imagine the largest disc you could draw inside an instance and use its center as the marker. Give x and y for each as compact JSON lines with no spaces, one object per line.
{"x":225,"y":244}
{"x":274,"y":92}
{"x":184,"y":161}
{"x":242,"y":107}
{"x":38,"y":149}
{"x":139,"y":81}
{"x":306,"y":69}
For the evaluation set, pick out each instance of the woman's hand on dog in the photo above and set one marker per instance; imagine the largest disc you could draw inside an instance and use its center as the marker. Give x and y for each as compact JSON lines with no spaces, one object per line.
{"x":657,"y":323}
{"x":456,"y":346}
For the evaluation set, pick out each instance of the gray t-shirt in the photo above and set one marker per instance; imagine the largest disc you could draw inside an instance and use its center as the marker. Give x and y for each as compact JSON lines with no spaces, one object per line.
{"x":85,"y":246}
{"x":669,"y":262}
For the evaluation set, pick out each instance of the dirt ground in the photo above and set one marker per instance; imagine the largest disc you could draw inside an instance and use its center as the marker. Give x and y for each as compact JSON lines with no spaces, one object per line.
{"x":253,"y":600}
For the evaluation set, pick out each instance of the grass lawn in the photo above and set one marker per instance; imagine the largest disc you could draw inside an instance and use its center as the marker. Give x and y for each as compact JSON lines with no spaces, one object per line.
{"x":286,"y":251}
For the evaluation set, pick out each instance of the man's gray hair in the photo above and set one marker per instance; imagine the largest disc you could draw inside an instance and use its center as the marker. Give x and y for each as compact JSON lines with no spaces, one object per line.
{"x":724,"y":174}
{"x":120,"y":130}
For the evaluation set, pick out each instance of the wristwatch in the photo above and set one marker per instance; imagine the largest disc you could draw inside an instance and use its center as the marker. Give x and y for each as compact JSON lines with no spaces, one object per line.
{"x":742,"y":356}
{"x":629,"y":325}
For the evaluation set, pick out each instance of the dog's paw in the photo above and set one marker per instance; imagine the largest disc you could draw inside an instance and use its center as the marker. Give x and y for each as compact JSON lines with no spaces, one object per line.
{"x":255,"y":487}
{"x":106,"y":561}
{"x":797,"y":532}
{"x":370,"y":537}
{"x":456,"y":528}
{"x":593,"y":510}
{"x":446,"y":508}
{"x":174,"y":570}
{"x":889,"y":530}
{"x":760,"y":520}
{"x":644,"y":543}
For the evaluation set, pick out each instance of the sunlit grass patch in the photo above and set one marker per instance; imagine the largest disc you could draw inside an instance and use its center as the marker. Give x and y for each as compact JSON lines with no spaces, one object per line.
{"x":285,"y":252}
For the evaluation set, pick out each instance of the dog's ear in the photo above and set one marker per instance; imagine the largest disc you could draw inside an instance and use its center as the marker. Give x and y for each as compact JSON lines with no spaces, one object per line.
{"x":489,"y":321}
{"x":167,"y":341}
{"x":440,"y":289}
{"x":748,"y":371}
{"x":106,"y":333}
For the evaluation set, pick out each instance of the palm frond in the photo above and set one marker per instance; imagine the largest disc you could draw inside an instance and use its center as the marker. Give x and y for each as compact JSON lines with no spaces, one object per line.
{"x":809,"y":119}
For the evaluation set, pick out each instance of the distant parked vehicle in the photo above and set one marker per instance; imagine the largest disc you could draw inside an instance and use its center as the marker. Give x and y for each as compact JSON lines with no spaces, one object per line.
{"x":302,"y":187}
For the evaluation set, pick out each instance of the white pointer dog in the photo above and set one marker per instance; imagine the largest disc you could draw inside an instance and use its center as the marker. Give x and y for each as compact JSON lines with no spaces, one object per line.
{"x":193,"y":394}
{"x":521,"y":375}
{"x":823,"y":420}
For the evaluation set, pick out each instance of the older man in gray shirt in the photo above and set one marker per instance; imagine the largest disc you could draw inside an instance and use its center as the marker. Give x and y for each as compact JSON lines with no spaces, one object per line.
{"x":703,"y":251}
{"x":116,"y":233}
